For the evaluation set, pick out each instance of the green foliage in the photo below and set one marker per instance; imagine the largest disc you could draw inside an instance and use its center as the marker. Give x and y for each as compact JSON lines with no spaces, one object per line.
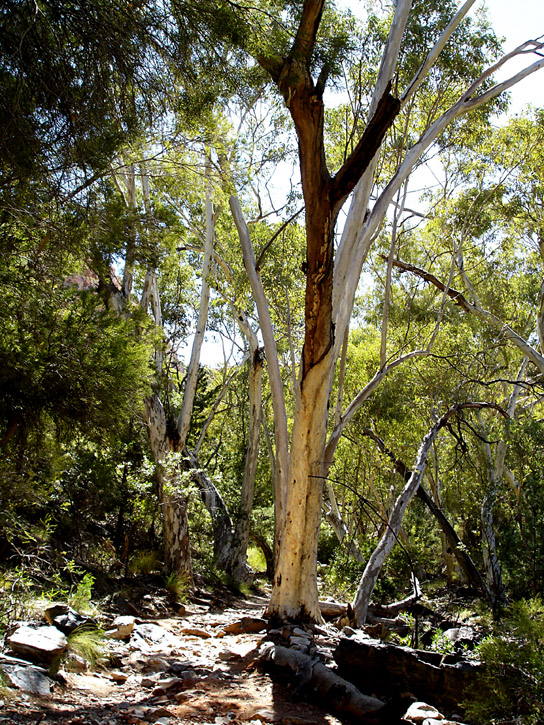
{"x":88,"y":643}
{"x":144,"y":562}
{"x":511,"y":687}
{"x":255,"y":559}
{"x":80,"y":598}
{"x":178,"y":585}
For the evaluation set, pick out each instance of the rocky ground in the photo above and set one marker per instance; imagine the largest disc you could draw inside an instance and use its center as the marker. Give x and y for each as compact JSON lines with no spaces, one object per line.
{"x":203,"y":665}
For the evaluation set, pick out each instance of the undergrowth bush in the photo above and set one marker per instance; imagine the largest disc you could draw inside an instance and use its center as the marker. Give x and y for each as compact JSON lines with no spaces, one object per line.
{"x":511,"y":687}
{"x":89,"y":644}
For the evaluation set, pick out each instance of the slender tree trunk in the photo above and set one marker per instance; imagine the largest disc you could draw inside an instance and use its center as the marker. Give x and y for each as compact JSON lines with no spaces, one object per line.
{"x":239,"y":569}
{"x":447,"y":531}
{"x":222,"y":525}
{"x":387,"y":541}
{"x":192,"y":370}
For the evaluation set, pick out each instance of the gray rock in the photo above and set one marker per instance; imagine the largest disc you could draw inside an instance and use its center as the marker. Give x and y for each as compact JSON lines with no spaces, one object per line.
{"x":150,"y":680}
{"x":29,"y":679}
{"x":460,"y":635}
{"x":43,"y":644}
{"x":75,"y":663}
{"x":63,"y":617}
{"x":153,"y":635}
{"x":156,"y":664}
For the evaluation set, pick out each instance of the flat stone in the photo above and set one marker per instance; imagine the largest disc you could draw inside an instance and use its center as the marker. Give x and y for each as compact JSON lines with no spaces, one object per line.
{"x":265,"y":716}
{"x":150,"y":680}
{"x":42,"y":644}
{"x":168,"y":682}
{"x":154,"y":636}
{"x":246,"y":625}
{"x":159,"y":712}
{"x":29,"y":679}
{"x":195,"y":632}
{"x":118,"y":676}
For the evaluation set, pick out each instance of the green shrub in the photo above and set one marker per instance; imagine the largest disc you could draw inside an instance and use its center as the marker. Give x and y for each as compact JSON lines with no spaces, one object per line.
{"x":144,"y":562}
{"x":179,"y":585}
{"x":80,"y":598}
{"x":87,"y":643}
{"x":511,"y":688}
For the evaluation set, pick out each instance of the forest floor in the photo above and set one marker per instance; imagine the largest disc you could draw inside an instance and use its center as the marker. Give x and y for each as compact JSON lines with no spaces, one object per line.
{"x":201,"y":674}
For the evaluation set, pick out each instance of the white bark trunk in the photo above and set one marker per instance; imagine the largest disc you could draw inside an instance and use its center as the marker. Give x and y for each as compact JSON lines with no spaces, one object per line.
{"x":361,"y":226}
{"x":281,"y":457}
{"x":295,"y":595}
{"x":239,"y":568}
{"x":495,"y":472}
{"x":184,"y":419}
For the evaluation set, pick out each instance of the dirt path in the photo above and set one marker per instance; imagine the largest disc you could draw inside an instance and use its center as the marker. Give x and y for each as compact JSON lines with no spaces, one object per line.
{"x":201,"y":673}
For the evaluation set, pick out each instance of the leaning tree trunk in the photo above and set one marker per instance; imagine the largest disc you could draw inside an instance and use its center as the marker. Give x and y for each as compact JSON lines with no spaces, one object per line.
{"x":387,"y":541}
{"x":447,"y":531}
{"x":222,"y":526}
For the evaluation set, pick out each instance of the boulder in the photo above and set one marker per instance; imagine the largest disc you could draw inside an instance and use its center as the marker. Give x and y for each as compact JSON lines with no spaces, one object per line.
{"x":373,"y":665}
{"x":461,"y":636}
{"x":43,"y":644}
{"x":418,"y":712}
{"x":63,"y":617}
{"x":27,"y":678}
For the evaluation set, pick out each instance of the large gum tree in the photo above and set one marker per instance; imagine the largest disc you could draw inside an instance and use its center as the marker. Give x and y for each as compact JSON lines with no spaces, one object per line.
{"x":299,"y":67}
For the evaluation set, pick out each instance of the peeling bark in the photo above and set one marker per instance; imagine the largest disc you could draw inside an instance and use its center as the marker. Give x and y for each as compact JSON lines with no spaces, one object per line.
{"x":177,"y":551}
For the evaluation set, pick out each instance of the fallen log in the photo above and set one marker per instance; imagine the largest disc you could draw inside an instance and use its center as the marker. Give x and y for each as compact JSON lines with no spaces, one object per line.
{"x":339,"y":694}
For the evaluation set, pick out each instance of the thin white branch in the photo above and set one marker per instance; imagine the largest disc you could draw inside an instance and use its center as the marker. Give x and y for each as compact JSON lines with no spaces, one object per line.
{"x":431,"y":58}
{"x":189,"y":392}
{"x":276,"y":383}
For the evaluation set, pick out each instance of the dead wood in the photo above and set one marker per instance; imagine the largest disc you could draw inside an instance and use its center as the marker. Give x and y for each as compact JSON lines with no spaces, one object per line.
{"x":337,"y":693}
